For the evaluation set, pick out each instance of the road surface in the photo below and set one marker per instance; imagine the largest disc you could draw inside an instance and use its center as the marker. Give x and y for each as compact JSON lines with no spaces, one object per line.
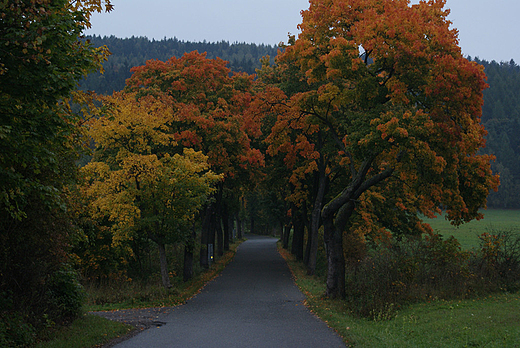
{"x":253,"y":303}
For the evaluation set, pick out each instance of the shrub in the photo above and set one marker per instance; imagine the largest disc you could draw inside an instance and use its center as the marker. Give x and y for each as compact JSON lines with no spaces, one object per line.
{"x":407,"y":271}
{"x":497,"y":261}
{"x":65,"y":294}
{"x":421,"y":269}
{"x":14,"y":331}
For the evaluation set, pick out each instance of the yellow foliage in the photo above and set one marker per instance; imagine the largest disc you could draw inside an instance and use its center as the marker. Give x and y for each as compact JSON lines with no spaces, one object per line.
{"x":133,"y":179}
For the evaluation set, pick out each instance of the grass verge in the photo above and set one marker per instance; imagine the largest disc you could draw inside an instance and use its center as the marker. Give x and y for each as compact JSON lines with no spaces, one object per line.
{"x":94,"y":331}
{"x":87,"y":331}
{"x":485,"y":322}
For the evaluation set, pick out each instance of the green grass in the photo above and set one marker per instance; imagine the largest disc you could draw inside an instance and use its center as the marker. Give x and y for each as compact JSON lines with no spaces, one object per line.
{"x":87,"y":331}
{"x":467,"y":234}
{"x":488,"y":322}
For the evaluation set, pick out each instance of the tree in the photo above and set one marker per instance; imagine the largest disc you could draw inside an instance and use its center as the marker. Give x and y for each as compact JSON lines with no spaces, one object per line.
{"x":135,"y":182}
{"x":41,"y":61}
{"x":387,"y":84}
{"x":211,"y":108}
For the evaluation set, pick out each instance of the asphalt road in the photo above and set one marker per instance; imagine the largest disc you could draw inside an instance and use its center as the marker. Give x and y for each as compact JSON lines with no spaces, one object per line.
{"x":253,"y":303}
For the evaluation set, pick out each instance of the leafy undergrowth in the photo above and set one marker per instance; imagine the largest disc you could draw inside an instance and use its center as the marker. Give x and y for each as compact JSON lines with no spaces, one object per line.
{"x":93,"y":331}
{"x":484,"y":322}
{"x":134,"y":295}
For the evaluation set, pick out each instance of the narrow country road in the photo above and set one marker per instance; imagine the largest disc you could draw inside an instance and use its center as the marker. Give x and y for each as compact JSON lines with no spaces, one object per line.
{"x":254,"y":303}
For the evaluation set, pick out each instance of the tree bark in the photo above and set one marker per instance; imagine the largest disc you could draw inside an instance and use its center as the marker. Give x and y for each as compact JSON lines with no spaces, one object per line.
{"x":287,"y":234}
{"x":189,"y":247}
{"x":164,"y":266}
{"x":336,"y":215}
{"x":220,"y":235}
{"x":316,"y":219}
{"x":205,"y":236}
{"x":298,"y":233}
{"x":239,"y":226}
{"x":225,"y":225}
{"x":335,"y":260}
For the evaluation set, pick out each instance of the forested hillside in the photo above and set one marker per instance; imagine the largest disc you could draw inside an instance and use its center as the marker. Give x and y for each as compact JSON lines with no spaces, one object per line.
{"x":501,"y":113}
{"x":501,"y":117}
{"x":135,"y":51}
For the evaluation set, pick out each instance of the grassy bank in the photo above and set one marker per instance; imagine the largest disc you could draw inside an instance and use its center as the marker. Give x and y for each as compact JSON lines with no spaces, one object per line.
{"x":485,"y":322}
{"x":467,"y":234}
{"x":93,"y":331}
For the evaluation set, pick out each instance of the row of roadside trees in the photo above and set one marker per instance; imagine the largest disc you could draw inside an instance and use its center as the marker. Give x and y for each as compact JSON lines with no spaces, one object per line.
{"x":367,"y":120}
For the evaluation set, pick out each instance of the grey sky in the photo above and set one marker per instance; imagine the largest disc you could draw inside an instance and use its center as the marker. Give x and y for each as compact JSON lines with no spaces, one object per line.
{"x":487,"y":29}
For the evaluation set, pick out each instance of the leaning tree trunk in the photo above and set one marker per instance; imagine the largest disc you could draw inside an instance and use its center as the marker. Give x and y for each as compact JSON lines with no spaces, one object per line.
{"x":164,"y":266}
{"x":336,"y":215}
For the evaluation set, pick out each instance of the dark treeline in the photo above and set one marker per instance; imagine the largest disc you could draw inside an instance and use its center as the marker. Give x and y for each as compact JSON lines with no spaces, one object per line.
{"x":501,"y":117}
{"x":501,"y":112}
{"x":135,"y":51}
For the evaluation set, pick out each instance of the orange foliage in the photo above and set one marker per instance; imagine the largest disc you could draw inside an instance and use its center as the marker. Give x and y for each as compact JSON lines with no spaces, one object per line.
{"x":386,"y":82}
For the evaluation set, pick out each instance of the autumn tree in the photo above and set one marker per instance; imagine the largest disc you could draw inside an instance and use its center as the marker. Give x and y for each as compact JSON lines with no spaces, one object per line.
{"x":41,"y":61}
{"x":211,"y":108}
{"x":136,"y":183}
{"x":395,"y":99}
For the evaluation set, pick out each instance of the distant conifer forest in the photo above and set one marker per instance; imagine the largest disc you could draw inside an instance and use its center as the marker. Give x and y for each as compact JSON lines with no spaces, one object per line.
{"x":501,"y":111}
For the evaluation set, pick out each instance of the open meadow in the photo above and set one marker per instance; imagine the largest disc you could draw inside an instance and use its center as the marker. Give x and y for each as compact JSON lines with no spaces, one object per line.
{"x":495,"y":220}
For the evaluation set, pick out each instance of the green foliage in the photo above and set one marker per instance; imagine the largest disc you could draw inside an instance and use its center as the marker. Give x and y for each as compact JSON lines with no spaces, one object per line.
{"x":41,"y":61}
{"x":66,"y":293}
{"x":14,"y":330}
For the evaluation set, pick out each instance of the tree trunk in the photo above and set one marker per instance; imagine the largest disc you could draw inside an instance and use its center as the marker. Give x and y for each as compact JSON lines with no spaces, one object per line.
{"x":307,"y":253}
{"x":298,"y":233}
{"x":220,"y":235}
{"x":164,"y":266}
{"x":316,"y":219}
{"x":286,"y":235}
{"x":240,"y":234}
{"x":225,"y":225}
{"x":335,"y":260}
{"x":205,"y":236}
{"x":189,"y":247}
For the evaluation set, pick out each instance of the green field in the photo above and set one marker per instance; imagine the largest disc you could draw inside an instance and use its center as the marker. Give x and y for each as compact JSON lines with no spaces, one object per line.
{"x":467,"y":234}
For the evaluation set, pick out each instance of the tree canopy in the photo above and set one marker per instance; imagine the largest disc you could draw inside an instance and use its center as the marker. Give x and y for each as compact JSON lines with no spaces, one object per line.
{"x":41,"y":62}
{"x":400,"y":108}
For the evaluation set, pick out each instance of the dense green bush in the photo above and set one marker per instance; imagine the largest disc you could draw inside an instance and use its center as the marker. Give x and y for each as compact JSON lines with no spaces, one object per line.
{"x":65,"y":293}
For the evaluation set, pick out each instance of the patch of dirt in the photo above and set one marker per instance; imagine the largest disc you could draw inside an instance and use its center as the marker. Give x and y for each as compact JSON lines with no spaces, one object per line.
{"x":140,"y":318}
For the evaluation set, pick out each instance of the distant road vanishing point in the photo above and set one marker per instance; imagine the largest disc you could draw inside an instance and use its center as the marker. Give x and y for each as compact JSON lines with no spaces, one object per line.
{"x":253,"y":303}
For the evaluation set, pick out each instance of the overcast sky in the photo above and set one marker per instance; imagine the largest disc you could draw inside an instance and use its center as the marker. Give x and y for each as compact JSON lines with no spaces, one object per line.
{"x":488,"y":29}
